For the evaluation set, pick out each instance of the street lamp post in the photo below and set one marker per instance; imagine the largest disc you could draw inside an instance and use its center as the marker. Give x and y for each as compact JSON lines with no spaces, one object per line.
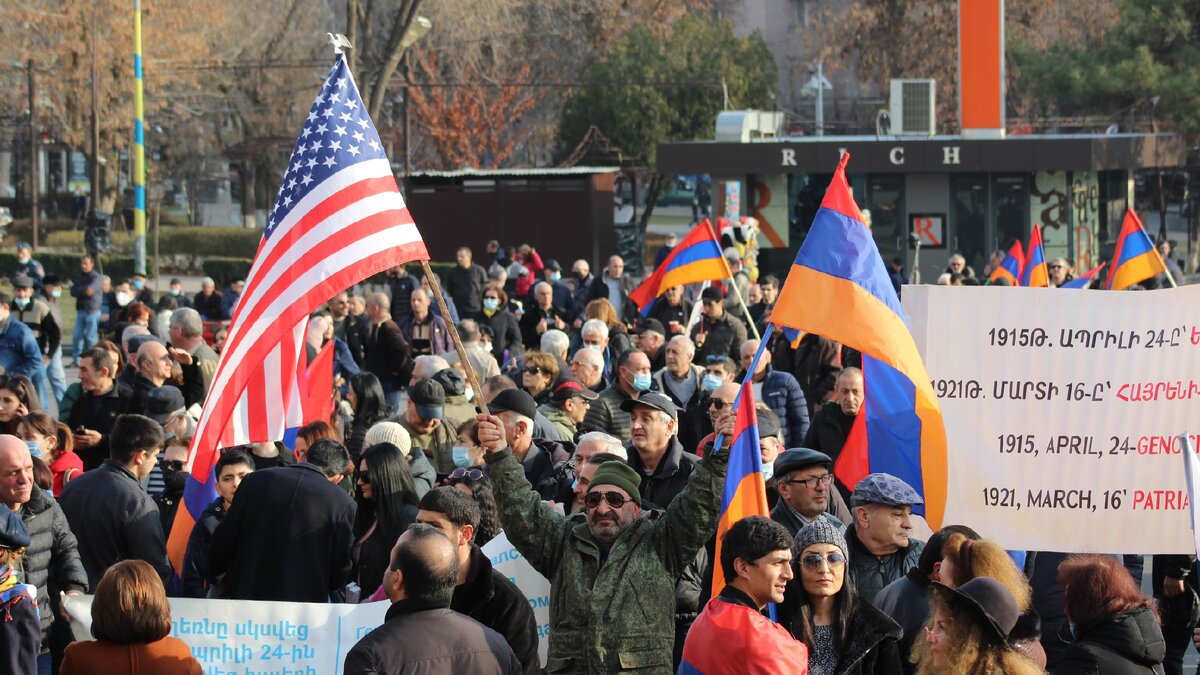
{"x":34,"y":216}
{"x":417,"y":30}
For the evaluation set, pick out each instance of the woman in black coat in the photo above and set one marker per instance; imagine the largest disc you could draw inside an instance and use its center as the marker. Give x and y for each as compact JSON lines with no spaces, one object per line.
{"x":1116,"y":629}
{"x":505,"y":327}
{"x":844,"y":634}
{"x":387,"y":505}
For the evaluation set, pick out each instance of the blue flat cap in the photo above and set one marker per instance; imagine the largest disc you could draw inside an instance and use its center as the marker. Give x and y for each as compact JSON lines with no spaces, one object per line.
{"x":884,"y":488}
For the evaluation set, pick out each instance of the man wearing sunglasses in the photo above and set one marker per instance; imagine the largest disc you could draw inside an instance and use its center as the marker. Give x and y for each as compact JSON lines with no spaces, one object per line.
{"x":613,"y":569}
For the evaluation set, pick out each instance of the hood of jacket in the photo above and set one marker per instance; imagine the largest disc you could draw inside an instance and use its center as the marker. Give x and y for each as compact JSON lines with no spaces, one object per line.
{"x":1134,"y":635}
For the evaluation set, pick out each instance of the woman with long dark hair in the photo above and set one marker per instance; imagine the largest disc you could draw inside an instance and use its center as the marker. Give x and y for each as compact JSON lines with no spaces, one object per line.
{"x":387,"y":505}
{"x":476,"y":483}
{"x":365,"y":396}
{"x":844,"y":635}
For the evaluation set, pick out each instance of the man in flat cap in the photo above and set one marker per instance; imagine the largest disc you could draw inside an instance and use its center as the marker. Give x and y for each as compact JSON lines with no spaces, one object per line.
{"x":804,"y":480}
{"x":881,"y":550}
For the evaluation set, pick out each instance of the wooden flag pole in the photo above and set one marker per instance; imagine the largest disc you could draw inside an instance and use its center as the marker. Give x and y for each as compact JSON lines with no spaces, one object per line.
{"x":472,"y":376}
{"x":745,"y":309}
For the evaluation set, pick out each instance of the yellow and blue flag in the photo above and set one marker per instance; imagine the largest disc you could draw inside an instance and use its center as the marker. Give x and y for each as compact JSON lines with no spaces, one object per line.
{"x":745,"y":491}
{"x":694,"y":259}
{"x":1035,"y":273}
{"x":839,"y":288}
{"x":1135,"y":258}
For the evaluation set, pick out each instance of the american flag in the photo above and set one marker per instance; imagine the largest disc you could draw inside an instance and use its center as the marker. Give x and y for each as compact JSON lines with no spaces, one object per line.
{"x":339,"y":218}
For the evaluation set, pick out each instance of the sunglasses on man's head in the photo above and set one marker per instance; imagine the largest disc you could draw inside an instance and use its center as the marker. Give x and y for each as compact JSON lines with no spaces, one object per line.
{"x":614,"y":499}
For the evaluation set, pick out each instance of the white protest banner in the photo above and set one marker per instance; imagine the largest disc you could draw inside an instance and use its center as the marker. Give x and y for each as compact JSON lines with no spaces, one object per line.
{"x":236,"y":637}
{"x":1062,"y":410}
{"x":508,"y":561}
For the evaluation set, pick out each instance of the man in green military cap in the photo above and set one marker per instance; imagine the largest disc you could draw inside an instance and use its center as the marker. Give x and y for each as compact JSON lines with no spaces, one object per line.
{"x":613,"y":567}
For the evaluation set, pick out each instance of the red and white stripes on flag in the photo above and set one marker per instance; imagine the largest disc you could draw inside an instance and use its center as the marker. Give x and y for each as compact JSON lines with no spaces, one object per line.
{"x":339,"y":218}
{"x":353,"y":228}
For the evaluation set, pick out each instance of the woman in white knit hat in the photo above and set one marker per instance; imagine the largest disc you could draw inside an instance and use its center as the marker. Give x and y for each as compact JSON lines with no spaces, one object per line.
{"x":423,"y":473}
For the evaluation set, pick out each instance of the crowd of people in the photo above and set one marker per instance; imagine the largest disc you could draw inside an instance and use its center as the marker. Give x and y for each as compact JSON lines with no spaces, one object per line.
{"x":597,"y":457}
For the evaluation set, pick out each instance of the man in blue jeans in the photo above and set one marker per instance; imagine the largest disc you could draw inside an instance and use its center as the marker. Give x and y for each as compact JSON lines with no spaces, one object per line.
{"x":87,"y":290}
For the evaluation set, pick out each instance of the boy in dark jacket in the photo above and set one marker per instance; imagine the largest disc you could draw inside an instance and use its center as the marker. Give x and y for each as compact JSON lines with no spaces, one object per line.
{"x":481,"y":592}
{"x":231,"y":468}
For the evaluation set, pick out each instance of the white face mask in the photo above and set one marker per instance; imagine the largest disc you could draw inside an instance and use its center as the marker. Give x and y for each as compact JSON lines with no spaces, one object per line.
{"x":123,"y":298}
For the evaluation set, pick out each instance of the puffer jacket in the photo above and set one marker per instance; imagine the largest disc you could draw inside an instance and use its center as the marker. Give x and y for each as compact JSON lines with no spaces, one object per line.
{"x":1130,"y":643}
{"x":871,"y":573}
{"x":782,"y":394}
{"x":52,"y":561}
{"x":615,"y":612}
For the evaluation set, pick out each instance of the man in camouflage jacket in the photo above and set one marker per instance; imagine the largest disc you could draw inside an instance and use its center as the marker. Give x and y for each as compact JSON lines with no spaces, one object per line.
{"x":612,"y":608}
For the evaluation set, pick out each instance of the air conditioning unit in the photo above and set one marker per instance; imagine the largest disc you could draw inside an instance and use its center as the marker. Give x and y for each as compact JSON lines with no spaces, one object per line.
{"x":914,"y":107}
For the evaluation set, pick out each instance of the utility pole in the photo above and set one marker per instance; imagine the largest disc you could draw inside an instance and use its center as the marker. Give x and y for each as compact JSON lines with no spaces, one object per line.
{"x":95,"y":121}
{"x":33,"y":157}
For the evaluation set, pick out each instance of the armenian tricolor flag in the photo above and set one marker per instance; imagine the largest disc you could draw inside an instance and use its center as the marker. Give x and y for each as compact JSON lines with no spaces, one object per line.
{"x":1084,"y":280}
{"x":1135,"y":259}
{"x":840,"y":289}
{"x":1035,"y":273}
{"x":745,"y":486}
{"x":1011,"y":267}
{"x":697,"y":258}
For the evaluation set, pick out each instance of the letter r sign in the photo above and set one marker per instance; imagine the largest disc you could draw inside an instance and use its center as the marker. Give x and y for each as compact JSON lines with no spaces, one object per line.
{"x":930,"y":228}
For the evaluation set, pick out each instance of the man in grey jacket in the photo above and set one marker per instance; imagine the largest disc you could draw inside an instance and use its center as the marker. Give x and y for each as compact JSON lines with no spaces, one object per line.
{"x":52,"y":557}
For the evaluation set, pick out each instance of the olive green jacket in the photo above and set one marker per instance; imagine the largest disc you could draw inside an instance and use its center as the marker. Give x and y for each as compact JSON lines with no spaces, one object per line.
{"x":613,"y":614}
{"x":559,"y":418}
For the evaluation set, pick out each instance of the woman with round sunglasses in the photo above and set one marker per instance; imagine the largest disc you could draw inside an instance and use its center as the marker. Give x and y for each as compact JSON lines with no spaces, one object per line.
{"x":387,"y":505}
{"x":844,"y":634}
{"x":539,"y":371}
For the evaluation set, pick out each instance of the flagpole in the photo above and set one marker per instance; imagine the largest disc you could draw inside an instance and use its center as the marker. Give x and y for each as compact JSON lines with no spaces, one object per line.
{"x":745,"y":309}
{"x":762,"y":347}
{"x":472,"y":376}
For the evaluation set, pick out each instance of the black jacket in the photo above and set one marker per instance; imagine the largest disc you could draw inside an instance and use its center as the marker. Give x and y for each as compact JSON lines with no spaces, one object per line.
{"x":906,"y":601}
{"x":466,"y":286}
{"x":668,"y":479}
{"x":723,"y":337}
{"x":290,"y":513}
{"x":491,"y":599}
{"x":388,"y":355}
{"x":827,"y":434}
{"x":872,"y":573}
{"x":375,"y":552}
{"x":113,"y":520}
{"x":209,"y":306}
{"x":52,"y":558}
{"x":195,"y":561}
{"x":98,"y":413}
{"x":871,"y":640}
{"x":1130,"y":643}
{"x":426,"y":638}
{"x":506,"y":335}
{"x":542,"y":466}
{"x":529,"y":324}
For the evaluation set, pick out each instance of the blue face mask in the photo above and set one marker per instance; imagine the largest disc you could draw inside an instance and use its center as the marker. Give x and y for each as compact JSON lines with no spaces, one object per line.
{"x":462,"y":457}
{"x":768,"y":471}
{"x":491,"y":303}
{"x":641,"y":382}
{"x":555,"y":276}
{"x":175,"y":292}
{"x":56,"y":293}
{"x":710,"y":382}
{"x":35,"y":449}
{"x":137,"y":283}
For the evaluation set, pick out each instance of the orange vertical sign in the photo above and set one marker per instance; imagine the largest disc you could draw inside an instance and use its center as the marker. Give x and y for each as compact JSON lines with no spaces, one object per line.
{"x":981,"y":65}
